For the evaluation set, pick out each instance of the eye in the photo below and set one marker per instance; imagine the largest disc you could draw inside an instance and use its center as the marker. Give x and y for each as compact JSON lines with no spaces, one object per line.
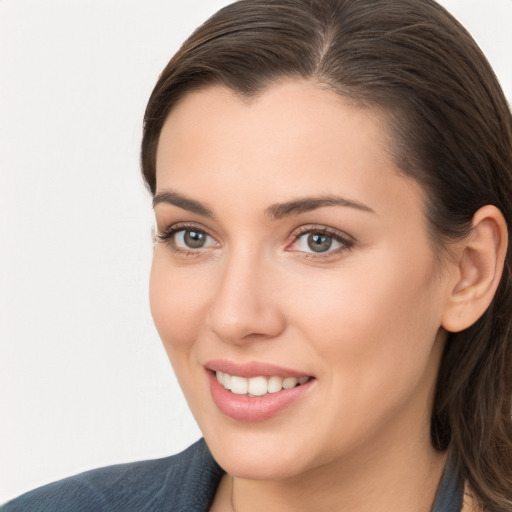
{"x":186,"y":239}
{"x":316,"y":242}
{"x":320,"y":241}
{"x":192,"y":239}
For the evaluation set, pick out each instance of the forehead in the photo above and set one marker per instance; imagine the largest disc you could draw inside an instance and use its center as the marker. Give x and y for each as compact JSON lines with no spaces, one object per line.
{"x":292,"y":137}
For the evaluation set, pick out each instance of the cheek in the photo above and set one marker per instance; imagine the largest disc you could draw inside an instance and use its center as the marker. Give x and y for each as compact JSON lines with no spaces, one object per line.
{"x":376,"y":324}
{"x":374,"y":335}
{"x":178,"y":301}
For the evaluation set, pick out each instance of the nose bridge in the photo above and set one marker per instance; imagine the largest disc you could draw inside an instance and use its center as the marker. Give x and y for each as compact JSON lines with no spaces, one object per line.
{"x":244,"y":306}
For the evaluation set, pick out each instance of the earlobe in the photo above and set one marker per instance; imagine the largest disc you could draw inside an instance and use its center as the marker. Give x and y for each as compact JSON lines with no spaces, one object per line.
{"x":479,"y":264}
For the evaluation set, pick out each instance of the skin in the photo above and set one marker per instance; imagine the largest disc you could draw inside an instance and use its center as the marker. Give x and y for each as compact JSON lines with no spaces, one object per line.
{"x":364,"y":318}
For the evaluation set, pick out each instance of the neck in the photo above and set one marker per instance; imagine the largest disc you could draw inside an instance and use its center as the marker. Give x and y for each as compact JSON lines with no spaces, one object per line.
{"x":403,"y":478}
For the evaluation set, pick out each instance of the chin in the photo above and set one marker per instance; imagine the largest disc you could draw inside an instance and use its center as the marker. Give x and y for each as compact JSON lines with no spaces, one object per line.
{"x":257,"y":455}
{"x":254,"y":466}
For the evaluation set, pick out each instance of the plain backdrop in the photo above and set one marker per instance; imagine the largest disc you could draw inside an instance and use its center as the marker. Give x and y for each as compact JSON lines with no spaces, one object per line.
{"x":84,"y":379}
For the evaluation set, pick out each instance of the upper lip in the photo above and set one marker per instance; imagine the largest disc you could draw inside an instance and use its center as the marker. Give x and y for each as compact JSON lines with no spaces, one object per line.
{"x":252,"y":369}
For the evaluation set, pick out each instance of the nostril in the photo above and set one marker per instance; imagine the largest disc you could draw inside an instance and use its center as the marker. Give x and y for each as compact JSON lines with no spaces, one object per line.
{"x":241,"y":310}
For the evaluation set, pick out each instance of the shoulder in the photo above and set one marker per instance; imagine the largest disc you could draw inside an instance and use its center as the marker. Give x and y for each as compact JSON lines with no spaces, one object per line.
{"x":186,"y":481}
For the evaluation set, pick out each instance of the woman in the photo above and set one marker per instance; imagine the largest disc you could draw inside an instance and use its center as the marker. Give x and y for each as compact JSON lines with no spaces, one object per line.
{"x":331,"y":182}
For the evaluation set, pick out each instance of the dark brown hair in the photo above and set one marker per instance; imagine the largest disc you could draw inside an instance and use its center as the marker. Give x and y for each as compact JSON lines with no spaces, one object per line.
{"x":451,"y":131}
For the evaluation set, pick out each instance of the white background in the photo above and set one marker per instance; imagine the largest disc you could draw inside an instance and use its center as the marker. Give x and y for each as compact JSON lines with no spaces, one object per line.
{"x":84,"y":379}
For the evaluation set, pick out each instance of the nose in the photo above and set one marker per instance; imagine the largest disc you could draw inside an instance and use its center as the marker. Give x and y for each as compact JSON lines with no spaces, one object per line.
{"x":245,"y":306}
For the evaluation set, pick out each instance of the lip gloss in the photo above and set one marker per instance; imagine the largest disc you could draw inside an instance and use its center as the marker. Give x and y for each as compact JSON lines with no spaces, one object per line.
{"x":252,"y":369}
{"x":257,"y":408}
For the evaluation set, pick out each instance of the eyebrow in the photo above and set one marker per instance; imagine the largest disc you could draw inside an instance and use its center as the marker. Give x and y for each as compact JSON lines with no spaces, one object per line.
{"x":183,"y":202}
{"x":274,"y":212}
{"x":307,"y":204}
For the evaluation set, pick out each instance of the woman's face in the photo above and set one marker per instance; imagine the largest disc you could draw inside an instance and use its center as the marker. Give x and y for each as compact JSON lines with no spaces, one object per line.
{"x":291,"y":247}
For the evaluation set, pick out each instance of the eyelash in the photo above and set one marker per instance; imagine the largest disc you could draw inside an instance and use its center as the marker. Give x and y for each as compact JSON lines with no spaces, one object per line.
{"x":167,"y":237}
{"x":347,"y":243}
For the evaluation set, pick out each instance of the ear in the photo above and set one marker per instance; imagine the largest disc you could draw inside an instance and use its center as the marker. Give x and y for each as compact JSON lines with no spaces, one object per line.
{"x":478,"y":269}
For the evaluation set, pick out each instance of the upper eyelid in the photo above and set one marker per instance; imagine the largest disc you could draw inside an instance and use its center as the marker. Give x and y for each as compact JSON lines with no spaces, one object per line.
{"x":183,"y":226}
{"x":319,"y":228}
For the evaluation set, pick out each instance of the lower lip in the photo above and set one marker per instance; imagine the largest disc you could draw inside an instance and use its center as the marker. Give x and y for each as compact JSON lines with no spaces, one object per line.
{"x":257,"y":408}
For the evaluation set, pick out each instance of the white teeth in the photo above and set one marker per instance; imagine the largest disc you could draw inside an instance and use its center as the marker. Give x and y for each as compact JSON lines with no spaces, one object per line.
{"x":257,"y":386}
{"x":239,"y":385}
{"x":275,"y":384}
{"x":290,"y":382}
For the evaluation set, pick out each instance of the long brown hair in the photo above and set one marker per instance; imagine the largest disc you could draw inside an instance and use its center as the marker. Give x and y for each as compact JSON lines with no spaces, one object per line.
{"x":451,"y":130}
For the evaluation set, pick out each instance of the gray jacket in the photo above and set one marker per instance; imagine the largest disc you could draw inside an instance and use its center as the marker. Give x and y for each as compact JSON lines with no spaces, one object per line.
{"x":186,"y":482}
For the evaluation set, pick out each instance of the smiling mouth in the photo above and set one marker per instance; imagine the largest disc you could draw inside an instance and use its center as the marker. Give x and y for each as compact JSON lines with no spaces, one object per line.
{"x":258,"y":386}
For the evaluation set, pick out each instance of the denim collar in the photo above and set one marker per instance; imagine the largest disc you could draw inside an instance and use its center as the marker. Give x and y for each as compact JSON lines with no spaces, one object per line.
{"x":450,"y":492}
